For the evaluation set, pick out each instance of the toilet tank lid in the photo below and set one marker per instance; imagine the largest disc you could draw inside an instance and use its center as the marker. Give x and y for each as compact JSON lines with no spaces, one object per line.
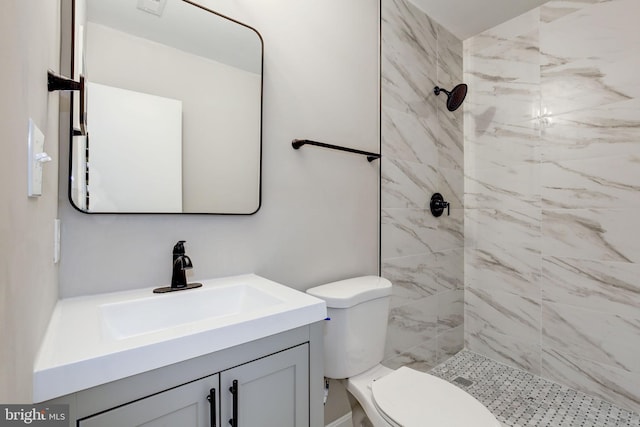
{"x":350,"y":292}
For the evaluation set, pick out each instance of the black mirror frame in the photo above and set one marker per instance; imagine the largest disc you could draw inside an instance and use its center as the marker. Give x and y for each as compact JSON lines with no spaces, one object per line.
{"x":73,"y":132}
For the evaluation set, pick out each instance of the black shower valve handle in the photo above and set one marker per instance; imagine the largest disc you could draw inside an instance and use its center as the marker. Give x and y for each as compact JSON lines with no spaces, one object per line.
{"x":445,"y":205}
{"x":438,"y":204}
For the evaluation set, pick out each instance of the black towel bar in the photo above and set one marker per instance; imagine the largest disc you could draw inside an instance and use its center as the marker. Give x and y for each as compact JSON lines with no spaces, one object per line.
{"x":297,"y":143}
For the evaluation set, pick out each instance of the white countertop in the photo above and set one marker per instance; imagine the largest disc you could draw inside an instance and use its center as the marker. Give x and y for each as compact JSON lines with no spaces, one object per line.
{"x":79,"y":350}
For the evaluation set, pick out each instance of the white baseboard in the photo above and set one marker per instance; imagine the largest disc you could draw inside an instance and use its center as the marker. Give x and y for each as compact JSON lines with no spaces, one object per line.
{"x":343,"y":421}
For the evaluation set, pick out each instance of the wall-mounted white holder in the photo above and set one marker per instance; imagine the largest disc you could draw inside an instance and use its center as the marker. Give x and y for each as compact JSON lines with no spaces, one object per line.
{"x":36,"y":158}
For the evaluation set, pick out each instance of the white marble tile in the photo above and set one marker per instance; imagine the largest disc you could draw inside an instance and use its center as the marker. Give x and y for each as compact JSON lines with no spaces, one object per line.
{"x":522,"y":354}
{"x":555,"y":9}
{"x":408,"y":58}
{"x":604,"y":130}
{"x":582,"y":68}
{"x":513,"y":187}
{"x":407,"y":184}
{"x":421,"y":255}
{"x":414,"y":277}
{"x":611,"y":287}
{"x":495,"y":99}
{"x":404,"y":232}
{"x":450,"y":342}
{"x":450,"y":310}
{"x":422,"y":357}
{"x":506,"y":229}
{"x":416,"y":231}
{"x":409,"y":137}
{"x":597,"y":379}
{"x":607,"y":338}
{"x":604,"y":182}
{"x":450,"y":55}
{"x":503,"y":251}
{"x":450,"y":230}
{"x":501,"y":313}
{"x":516,"y":272}
{"x":451,"y":186}
{"x":500,"y":145}
{"x":451,"y":123}
{"x":552,"y":131}
{"x":502,"y":66}
{"x":404,"y":26}
{"x":596,"y":234}
{"x":411,"y":325}
{"x":450,"y":138}
{"x":503,"y":33}
{"x":399,"y":88}
{"x":515,"y":60}
{"x":406,"y":290}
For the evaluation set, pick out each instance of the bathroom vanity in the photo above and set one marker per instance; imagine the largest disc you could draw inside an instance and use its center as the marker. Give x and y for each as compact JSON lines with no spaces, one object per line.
{"x":247,"y":373}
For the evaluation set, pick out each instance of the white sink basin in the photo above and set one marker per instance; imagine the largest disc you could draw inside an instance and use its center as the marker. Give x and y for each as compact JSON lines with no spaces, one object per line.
{"x":97,"y":339}
{"x":158,"y":312}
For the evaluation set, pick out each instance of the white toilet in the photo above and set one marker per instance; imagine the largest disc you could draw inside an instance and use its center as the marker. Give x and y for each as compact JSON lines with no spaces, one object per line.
{"x":354,"y":347}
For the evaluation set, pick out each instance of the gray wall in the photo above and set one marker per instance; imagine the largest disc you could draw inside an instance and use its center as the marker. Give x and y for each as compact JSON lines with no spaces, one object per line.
{"x":320,"y":209}
{"x":422,"y":154}
{"x":28,"y":277}
{"x":552,"y":196}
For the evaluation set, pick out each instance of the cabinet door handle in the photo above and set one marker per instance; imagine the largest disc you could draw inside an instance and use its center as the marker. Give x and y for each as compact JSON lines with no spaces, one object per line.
{"x":212,"y":406}
{"x":234,"y":391}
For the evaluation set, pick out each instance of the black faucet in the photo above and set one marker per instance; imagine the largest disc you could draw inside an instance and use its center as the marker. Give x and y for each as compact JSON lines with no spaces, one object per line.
{"x":181,"y":263}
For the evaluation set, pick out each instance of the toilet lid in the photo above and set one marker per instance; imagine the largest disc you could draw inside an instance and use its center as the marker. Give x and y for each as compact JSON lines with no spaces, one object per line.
{"x":410,"y":398}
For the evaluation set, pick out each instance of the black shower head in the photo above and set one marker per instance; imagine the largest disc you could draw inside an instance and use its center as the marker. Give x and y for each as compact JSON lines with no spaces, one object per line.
{"x":455,"y":97}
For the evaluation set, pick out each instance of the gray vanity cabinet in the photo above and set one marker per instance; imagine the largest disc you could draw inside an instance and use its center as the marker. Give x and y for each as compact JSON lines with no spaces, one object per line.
{"x":184,"y":406}
{"x":271,"y":391}
{"x":279,"y":382}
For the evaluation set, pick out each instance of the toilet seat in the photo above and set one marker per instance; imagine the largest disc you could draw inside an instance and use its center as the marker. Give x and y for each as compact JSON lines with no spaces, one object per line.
{"x":409,"y":398}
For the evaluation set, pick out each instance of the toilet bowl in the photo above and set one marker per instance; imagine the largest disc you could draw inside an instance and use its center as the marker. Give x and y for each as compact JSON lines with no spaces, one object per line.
{"x":354,"y":347}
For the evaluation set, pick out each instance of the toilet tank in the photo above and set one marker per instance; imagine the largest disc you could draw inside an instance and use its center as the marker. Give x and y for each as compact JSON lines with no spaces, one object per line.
{"x":355,"y":333}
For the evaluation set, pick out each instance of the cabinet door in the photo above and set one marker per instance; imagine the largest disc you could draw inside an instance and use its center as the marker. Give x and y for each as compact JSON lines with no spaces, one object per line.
{"x":271,"y":392}
{"x":183,"y":406}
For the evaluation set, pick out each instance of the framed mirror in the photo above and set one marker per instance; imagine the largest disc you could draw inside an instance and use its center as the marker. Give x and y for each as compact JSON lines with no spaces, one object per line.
{"x":173,"y":109}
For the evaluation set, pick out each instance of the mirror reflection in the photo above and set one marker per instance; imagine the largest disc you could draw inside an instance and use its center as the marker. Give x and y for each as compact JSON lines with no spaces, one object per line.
{"x":174,"y":98}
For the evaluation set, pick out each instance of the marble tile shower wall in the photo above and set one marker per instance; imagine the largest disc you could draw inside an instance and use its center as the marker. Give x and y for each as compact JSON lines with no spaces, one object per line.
{"x":552,"y":195}
{"x":421,"y":154}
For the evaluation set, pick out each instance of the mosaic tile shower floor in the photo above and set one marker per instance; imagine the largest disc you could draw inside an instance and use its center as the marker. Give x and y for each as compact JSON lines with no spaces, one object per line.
{"x":521,"y":399}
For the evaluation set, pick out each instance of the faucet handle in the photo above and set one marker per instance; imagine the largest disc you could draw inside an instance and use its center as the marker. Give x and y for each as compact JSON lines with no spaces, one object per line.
{"x":185,"y":262}
{"x":178,"y":249}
